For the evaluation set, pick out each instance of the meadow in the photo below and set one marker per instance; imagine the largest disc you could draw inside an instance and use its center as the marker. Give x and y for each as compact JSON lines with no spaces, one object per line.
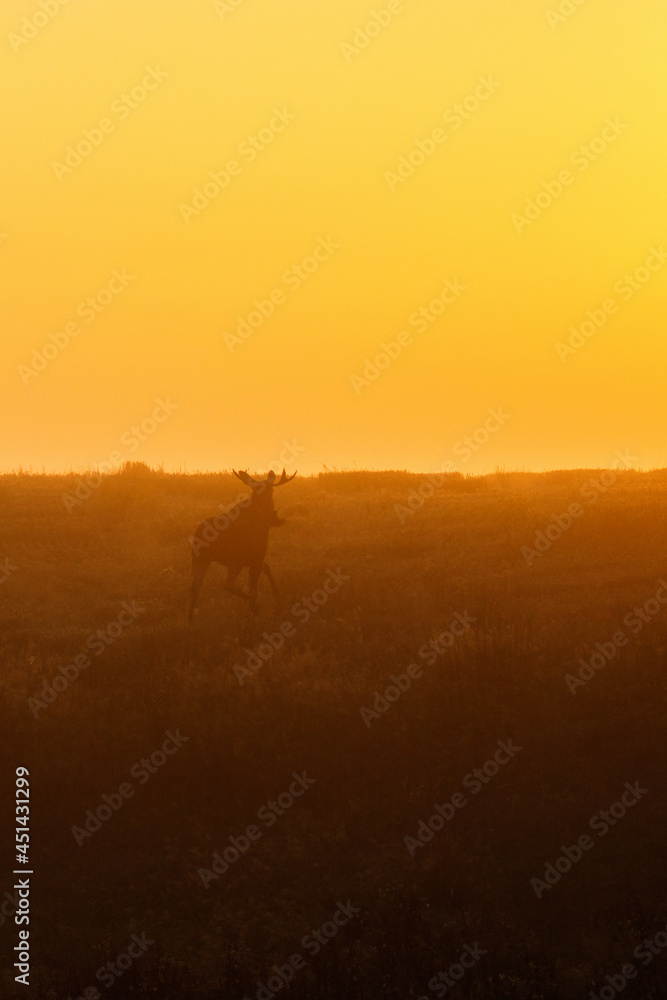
{"x":254,"y":798}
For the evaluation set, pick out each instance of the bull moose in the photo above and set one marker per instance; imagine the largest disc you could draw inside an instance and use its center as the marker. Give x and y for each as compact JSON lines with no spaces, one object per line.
{"x":238,"y":538}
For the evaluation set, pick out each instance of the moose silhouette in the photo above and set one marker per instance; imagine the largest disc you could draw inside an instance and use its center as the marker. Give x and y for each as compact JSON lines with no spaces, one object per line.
{"x":237,"y":539}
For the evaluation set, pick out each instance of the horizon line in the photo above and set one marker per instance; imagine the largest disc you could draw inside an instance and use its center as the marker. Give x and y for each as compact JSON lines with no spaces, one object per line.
{"x":140,"y":468}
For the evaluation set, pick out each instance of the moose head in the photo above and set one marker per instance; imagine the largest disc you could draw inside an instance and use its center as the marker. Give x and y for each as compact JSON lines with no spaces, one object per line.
{"x":262,"y":489}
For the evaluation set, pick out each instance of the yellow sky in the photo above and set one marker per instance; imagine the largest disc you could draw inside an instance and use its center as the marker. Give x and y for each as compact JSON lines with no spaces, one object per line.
{"x":366,"y":155}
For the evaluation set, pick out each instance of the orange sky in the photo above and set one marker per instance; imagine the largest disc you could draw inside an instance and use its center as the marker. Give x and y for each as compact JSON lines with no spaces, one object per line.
{"x":216,"y":214}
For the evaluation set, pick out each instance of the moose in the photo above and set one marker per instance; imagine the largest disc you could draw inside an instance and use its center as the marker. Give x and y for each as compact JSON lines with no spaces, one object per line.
{"x":238,"y":538}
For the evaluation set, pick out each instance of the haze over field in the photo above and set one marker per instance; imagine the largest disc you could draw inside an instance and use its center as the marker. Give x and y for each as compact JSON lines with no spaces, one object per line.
{"x":348,"y":230}
{"x":452,"y":724}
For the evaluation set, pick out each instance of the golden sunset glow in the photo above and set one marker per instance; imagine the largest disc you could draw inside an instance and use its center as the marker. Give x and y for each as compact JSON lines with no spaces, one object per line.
{"x":333,"y":234}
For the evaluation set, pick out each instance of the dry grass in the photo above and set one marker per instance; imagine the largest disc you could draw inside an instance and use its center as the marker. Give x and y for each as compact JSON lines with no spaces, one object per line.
{"x":300,"y":711}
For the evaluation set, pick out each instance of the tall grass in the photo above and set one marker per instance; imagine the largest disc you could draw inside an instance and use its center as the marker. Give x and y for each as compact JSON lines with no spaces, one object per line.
{"x":504,"y":678}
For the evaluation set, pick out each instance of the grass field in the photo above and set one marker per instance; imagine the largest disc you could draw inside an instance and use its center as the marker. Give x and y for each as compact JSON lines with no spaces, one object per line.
{"x":107,"y":580}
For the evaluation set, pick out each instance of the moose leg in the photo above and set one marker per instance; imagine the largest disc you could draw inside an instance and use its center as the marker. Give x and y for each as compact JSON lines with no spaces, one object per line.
{"x":253,"y":577}
{"x":266,"y":569}
{"x":230,"y":582}
{"x":199,"y":568}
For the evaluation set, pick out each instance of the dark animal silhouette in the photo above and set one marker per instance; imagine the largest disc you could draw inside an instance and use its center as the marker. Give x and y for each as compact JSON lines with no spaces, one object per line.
{"x":238,"y":538}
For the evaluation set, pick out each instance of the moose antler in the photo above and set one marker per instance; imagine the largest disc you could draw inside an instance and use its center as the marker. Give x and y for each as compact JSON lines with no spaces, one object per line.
{"x":284,"y":479}
{"x":244,"y":477}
